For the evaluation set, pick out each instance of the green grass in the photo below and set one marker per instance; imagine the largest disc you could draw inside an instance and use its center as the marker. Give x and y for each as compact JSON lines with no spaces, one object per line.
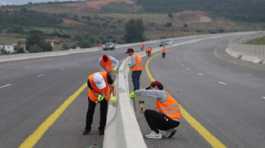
{"x":258,"y":41}
{"x":10,"y":39}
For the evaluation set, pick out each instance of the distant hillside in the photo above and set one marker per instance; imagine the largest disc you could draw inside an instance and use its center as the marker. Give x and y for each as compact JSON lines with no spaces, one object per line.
{"x":246,"y":10}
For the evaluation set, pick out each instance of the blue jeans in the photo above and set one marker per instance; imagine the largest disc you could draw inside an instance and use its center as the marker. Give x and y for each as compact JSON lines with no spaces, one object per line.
{"x":136,"y":79}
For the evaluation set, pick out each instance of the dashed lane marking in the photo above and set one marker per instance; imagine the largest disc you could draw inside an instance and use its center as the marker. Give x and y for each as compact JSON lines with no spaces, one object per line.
{"x":6,"y":85}
{"x":200,"y":74}
{"x":40,"y":75}
{"x":222,"y":83}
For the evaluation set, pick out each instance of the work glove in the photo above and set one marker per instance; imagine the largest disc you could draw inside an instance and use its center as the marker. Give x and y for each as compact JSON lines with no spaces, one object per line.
{"x":100,"y":98}
{"x":132,"y":95}
{"x":142,"y":106}
{"x":113,"y":100}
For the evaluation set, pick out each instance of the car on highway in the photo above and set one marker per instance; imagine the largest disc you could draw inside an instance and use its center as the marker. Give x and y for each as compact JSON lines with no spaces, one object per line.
{"x":109,"y":46}
{"x":165,"y":43}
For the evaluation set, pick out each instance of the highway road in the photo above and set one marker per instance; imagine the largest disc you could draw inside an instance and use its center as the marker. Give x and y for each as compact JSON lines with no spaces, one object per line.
{"x":225,"y":95}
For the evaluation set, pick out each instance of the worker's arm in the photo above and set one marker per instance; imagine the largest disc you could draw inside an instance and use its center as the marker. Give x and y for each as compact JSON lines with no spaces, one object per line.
{"x":115,"y":62}
{"x":89,"y":85}
{"x":155,"y":94}
{"x":101,"y":68}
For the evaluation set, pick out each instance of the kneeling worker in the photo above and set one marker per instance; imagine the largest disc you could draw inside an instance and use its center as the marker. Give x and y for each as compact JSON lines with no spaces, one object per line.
{"x":168,"y":116}
{"x":100,"y":91}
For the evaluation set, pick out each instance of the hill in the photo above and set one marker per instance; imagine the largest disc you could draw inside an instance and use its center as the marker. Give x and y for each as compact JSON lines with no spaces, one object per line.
{"x":244,"y":10}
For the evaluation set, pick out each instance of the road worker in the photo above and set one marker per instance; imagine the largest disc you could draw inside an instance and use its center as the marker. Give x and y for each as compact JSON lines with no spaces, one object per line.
{"x":99,"y":91}
{"x":148,"y":51}
{"x":136,"y":67}
{"x":163,"y":51}
{"x":142,"y":46}
{"x":167,"y":117}
{"x":109,"y":64}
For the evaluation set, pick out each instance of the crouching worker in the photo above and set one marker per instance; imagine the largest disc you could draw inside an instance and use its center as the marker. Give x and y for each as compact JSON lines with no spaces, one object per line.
{"x":99,"y":91}
{"x":164,"y":121}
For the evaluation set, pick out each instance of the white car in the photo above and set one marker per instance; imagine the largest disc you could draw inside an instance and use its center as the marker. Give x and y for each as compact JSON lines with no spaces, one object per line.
{"x":108,"y":46}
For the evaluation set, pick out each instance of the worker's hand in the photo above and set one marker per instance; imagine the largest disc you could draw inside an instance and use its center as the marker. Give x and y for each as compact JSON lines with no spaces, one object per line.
{"x":113,"y":100}
{"x":132,"y":95}
{"x":115,"y":71}
{"x":100,"y":98}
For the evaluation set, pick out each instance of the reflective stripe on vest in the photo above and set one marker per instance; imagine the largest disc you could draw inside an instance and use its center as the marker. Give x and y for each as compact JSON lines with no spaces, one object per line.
{"x":106,"y":65}
{"x":170,"y":108}
{"x":93,"y":94}
{"x":138,"y":63}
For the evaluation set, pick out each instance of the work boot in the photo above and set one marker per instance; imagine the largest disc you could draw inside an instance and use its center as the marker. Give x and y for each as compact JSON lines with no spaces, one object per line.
{"x":101,"y":131}
{"x":86,"y":131}
{"x":153,"y":135}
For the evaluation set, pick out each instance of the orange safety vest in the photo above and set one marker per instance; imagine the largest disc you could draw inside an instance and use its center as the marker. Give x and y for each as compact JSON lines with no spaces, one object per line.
{"x":170,"y":108}
{"x":138,"y":63}
{"x":163,"y":49}
{"x":106,"y":65}
{"x":94,"y":92}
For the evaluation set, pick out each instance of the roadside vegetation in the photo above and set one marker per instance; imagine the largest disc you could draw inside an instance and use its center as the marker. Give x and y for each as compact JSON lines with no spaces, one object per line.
{"x":65,"y":25}
{"x":257,"y":41}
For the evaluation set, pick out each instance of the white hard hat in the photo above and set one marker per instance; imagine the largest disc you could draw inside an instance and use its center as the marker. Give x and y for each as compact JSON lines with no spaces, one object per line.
{"x":99,"y":81}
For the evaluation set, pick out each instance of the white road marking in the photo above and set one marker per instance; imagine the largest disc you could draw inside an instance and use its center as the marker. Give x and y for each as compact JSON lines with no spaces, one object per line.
{"x":200,"y":74}
{"x":222,"y":83}
{"x":40,"y":75}
{"x":6,"y":85}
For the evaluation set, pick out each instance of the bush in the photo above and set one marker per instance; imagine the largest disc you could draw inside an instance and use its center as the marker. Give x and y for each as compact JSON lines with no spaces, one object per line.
{"x":134,"y":30}
{"x":35,"y":42}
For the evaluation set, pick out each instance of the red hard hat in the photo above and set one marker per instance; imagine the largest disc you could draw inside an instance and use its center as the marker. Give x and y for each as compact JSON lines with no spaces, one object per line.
{"x":105,"y":57}
{"x":157,"y":84}
{"x":130,"y":50}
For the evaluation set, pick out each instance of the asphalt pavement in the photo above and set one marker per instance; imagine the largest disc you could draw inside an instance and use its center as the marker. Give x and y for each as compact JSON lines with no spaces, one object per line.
{"x":224,"y":94}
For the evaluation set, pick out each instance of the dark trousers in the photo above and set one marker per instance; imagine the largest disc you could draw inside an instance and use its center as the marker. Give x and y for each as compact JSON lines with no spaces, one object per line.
{"x":136,"y":79}
{"x":90,"y":114}
{"x":163,"y":55}
{"x":158,"y":121}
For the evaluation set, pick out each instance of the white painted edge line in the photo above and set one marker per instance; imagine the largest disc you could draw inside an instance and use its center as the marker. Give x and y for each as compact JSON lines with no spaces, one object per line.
{"x":6,"y":85}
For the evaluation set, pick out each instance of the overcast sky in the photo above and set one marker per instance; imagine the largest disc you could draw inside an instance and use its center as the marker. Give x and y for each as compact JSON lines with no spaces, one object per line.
{"x":19,"y":2}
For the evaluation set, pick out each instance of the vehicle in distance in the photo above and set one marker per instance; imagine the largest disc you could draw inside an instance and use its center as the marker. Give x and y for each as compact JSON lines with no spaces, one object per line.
{"x":165,"y":43}
{"x":108,"y":46}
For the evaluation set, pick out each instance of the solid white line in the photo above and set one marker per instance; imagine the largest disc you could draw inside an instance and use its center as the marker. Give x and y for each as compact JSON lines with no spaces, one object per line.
{"x":6,"y":85}
{"x":222,"y":83}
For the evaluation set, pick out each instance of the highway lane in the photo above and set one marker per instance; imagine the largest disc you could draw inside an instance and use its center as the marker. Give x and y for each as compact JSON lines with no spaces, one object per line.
{"x":226,"y":97}
{"x":37,"y":87}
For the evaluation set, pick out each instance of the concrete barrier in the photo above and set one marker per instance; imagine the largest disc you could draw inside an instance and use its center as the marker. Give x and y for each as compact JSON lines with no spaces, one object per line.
{"x":247,"y":52}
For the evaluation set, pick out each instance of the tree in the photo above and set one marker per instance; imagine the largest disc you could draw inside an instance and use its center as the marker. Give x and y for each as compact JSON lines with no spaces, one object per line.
{"x":36,"y":43}
{"x":134,"y":30}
